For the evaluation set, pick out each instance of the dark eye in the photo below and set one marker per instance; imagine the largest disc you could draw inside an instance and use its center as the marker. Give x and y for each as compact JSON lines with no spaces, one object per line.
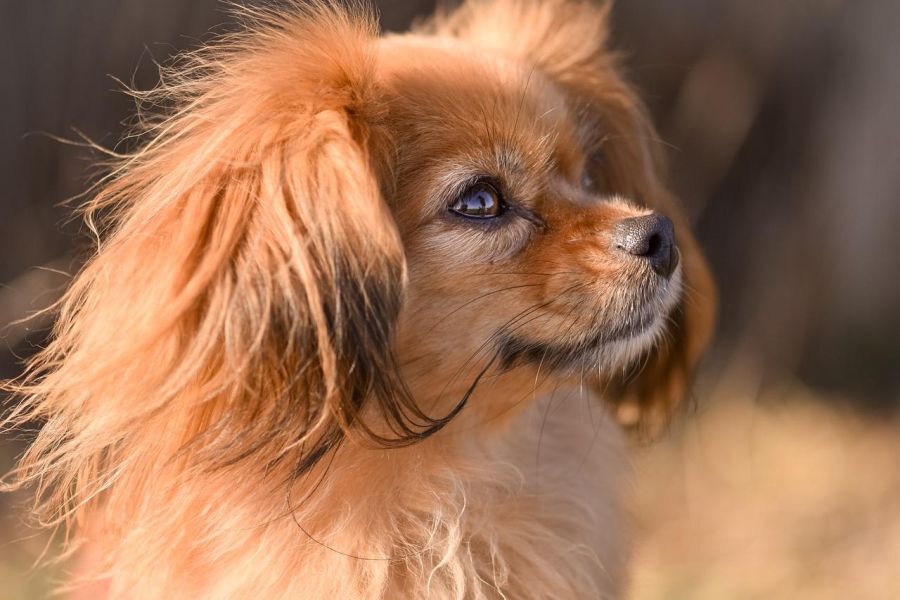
{"x":481,"y":201}
{"x":587,"y":181}
{"x":593,"y":178}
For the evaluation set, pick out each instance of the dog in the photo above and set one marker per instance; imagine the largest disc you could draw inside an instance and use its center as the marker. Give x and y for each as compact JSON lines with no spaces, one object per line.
{"x":362,"y":313}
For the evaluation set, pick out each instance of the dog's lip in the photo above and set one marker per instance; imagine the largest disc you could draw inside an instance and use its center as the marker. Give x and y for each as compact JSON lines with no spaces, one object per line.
{"x":656,"y":307}
{"x":627,"y":330}
{"x":515,"y":350}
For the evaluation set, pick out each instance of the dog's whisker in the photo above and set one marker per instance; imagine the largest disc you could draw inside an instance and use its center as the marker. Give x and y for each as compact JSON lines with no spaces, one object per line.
{"x":476,"y":299}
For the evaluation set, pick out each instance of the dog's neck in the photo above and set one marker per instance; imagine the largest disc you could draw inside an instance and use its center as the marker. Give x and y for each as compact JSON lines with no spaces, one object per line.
{"x":467,"y":511}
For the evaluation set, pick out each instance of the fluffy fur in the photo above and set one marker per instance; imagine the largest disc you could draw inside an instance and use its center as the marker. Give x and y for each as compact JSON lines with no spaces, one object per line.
{"x":290,"y":371}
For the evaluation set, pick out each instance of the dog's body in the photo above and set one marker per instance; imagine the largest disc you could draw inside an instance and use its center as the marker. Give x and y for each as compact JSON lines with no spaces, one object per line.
{"x":533,"y":512}
{"x":360,"y":305}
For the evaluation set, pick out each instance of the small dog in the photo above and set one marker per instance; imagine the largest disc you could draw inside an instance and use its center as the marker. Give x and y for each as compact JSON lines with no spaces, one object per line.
{"x":357,"y":306}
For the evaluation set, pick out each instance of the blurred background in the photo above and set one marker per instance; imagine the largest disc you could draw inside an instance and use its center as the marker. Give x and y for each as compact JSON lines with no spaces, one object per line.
{"x":782,"y":121}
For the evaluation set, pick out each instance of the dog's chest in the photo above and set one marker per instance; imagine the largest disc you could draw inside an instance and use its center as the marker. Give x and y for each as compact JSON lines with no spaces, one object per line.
{"x":551,"y":502}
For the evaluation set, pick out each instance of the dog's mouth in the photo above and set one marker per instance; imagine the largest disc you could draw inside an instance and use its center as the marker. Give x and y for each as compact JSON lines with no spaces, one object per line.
{"x":606,"y":347}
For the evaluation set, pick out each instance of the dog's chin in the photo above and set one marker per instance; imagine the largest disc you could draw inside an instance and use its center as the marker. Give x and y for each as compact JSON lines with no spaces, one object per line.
{"x":608,"y":349}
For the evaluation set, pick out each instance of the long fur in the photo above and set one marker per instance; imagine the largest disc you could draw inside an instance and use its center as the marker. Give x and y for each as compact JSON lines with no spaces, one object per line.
{"x":235,"y":399}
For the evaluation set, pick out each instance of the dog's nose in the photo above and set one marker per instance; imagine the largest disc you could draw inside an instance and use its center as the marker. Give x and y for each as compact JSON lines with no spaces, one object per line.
{"x":651,"y":237}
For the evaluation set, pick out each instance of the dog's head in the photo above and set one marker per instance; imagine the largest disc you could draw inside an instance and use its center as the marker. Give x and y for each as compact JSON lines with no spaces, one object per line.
{"x":525,"y":182}
{"x":330,"y":232}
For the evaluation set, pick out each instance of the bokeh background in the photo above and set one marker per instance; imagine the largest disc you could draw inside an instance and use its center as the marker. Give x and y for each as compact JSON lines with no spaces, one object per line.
{"x":782,"y":122}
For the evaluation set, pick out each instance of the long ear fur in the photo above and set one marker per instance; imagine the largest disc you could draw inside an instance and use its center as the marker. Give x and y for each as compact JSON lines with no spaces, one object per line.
{"x":242,"y":299}
{"x":567,"y":41}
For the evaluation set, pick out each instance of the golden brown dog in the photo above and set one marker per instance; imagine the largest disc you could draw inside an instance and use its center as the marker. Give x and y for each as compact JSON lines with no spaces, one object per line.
{"x":357,"y":306}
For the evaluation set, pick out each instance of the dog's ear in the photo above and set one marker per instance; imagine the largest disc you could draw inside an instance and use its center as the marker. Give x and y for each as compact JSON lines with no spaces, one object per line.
{"x":565,"y":39}
{"x":242,"y":299}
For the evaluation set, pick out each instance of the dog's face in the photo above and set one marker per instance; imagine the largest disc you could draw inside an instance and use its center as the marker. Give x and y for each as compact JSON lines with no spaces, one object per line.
{"x":519,"y":212}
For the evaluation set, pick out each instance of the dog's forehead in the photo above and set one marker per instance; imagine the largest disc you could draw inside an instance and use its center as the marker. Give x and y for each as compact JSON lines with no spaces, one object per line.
{"x":440,"y":84}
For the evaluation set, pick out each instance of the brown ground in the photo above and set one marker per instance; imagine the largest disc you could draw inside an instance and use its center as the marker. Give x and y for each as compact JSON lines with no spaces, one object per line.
{"x":777,"y":498}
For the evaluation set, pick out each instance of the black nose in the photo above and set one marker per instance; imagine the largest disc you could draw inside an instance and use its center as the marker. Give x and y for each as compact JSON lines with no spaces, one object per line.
{"x":651,"y":237}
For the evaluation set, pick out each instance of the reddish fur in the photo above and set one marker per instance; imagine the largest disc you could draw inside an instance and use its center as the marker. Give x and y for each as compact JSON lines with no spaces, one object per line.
{"x":280,"y":295}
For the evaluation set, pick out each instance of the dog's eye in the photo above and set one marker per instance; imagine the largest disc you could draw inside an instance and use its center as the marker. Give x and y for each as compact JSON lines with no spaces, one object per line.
{"x":481,"y":201}
{"x":587,"y":181}
{"x":593,"y":178}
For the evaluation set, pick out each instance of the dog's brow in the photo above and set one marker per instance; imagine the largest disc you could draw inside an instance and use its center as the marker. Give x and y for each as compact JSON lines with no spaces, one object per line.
{"x":509,"y":159}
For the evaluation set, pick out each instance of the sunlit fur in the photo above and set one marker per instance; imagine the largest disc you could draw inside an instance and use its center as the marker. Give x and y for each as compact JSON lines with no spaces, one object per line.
{"x":289,"y":370}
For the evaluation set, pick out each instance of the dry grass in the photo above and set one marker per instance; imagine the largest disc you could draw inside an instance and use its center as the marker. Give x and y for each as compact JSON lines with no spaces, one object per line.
{"x":772,"y":495}
{"x":22,"y":575}
{"x":775,"y":497}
